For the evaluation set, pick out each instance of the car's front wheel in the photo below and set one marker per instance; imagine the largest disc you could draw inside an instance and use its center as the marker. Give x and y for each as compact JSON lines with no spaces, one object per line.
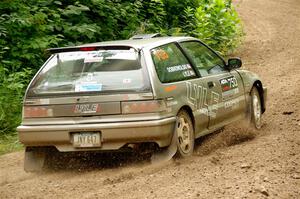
{"x":255,"y":108}
{"x":185,"y":135}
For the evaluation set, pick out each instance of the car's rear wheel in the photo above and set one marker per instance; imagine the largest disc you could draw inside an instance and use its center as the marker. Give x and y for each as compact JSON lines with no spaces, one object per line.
{"x":185,"y":135}
{"x":255,"y":108}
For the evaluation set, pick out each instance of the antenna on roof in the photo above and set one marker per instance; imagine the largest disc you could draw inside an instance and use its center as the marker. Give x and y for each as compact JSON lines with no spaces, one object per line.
{"x":145,"y":36}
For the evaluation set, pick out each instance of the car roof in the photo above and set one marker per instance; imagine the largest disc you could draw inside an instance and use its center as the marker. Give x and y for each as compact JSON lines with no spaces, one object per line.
{"x":131,"y":43}
{"x":138,"y":43}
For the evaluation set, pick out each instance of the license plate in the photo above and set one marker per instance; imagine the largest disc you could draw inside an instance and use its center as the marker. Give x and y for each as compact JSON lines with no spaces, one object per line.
{"x":86,"y":108}
{"x":87,"y":139}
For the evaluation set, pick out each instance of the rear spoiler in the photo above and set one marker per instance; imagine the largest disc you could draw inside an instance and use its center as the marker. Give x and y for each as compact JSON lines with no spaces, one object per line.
{"x":90,"y":48}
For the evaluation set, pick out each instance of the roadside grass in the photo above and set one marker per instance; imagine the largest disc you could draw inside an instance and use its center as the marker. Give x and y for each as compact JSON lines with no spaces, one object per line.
{"x":9,"y":143}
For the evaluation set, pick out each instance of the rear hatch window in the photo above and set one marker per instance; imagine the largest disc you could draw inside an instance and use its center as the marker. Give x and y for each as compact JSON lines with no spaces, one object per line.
{"x":81,"y":72}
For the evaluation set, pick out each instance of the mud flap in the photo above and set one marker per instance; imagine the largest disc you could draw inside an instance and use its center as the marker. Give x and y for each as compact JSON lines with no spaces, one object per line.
{"x":34,"y":160}
{"x":168,"y":153}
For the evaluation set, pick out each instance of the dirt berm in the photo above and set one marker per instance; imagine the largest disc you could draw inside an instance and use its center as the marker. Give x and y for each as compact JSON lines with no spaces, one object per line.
{"x":235,"y":163}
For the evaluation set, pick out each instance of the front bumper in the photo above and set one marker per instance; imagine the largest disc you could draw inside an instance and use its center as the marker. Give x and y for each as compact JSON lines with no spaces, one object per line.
{"x":113,"y":135}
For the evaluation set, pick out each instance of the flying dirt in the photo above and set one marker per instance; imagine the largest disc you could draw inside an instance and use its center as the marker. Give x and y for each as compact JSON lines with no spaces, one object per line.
{"x":236,"y":162}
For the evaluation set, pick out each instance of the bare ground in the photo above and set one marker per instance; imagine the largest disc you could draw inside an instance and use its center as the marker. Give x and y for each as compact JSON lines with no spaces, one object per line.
{"x":234,"y":163}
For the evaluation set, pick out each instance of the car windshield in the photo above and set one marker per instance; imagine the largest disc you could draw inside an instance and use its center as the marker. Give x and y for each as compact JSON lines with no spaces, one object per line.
{"x":90,"y":71}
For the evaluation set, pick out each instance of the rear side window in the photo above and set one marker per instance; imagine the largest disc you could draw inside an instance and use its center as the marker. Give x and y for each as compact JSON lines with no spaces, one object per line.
{"x":170,"y":64}
{"x":91,"y":71}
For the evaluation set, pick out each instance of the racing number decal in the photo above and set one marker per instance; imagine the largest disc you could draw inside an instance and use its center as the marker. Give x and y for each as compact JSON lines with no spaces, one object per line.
{"x":228,"y":83}
{"x":229,"y":86}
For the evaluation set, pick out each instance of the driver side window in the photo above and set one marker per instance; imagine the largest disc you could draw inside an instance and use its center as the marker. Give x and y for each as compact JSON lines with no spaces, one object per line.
{"x":207,"y":62}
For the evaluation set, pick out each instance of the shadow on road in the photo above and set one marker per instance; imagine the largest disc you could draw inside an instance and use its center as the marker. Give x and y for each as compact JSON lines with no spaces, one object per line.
{"x":87,"y":161}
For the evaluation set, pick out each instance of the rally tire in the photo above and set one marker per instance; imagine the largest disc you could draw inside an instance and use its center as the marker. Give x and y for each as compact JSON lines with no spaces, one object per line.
{"x":185,"y":135}
{"x":255,"y":109}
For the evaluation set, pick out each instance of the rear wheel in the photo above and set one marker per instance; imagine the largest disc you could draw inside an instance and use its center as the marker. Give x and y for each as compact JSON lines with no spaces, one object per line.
{"x":185,"y":135}
{"x":255,"y":108}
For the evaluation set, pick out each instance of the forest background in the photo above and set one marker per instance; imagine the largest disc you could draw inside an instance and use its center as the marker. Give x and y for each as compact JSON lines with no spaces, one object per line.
{"x":29,"y":27}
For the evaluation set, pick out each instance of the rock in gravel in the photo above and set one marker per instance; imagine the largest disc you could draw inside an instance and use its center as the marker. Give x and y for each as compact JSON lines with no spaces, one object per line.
{"x":288,"y":112}
{"x":57,"y":185}
{"x":265,"y":179}
{"x":296,"y":176}
{"x":245,"y":166}
{"x":262,"y":190}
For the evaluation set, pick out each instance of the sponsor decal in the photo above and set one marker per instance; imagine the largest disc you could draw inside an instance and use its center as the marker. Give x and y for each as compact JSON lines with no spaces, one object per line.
{"x":188,"y":73}
{"x":229,"y":94}
{"x":87,"y":86}
{"x":182,"y":67}
{"x":161,"y":55}
{"x":232,"y":103}
{"x":197,"y":96}
{"x":89,"y":77}
{"x":185,"y":69}
{"x":86,"y":108}
{"x":170,"y":88}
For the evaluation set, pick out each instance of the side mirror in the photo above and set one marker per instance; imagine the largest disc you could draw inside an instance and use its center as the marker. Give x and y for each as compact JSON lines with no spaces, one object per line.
{"x":234,"y":63}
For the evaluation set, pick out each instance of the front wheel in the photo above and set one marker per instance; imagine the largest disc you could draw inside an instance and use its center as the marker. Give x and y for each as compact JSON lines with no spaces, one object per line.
{"x":255,"y":109}
{"x":185,"y":135}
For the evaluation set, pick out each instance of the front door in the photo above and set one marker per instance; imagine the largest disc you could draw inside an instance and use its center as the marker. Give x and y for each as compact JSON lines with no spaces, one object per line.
{"x":224,"y":89}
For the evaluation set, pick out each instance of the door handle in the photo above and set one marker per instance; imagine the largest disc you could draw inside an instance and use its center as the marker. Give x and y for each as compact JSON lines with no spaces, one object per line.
{"x":210,"y":84}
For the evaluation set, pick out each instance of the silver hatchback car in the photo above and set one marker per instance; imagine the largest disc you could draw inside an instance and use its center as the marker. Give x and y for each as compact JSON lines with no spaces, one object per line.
{"x":113,"y":95}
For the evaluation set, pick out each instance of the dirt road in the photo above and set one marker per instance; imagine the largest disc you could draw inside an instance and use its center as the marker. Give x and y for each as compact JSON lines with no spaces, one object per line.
{"x":236,"y":163}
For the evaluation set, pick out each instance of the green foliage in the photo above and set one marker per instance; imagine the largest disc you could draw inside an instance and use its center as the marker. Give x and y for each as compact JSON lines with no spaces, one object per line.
{"x":28,"y":28}
{"x":217,"y":24}
{"x":9,"y":143}
{"x":11,"y":93}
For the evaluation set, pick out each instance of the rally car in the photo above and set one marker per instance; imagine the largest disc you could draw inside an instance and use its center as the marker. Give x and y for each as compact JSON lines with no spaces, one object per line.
{"x":113,"y":95}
